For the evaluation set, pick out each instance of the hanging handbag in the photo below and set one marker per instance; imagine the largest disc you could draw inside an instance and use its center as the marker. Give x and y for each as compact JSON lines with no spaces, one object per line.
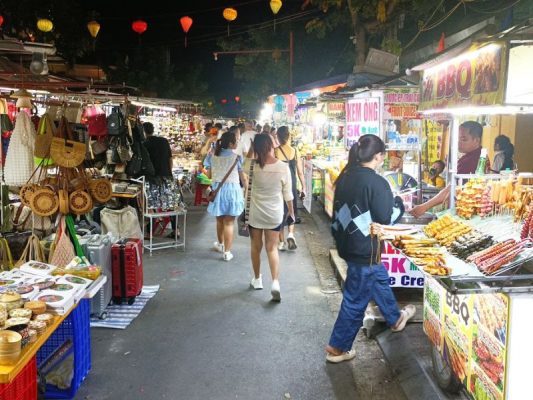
{"x":32,"y":252}
{"x":43,"y":140}
{"x":6,"y":258}
{"x":213,"y":193}
{"x":123,"y":223}
{"x":5,"y":122}
{"x":24,"y":219}
{"x":115,"y":122}
{"x":65,"y":151}
{"x":63,"y":249}
{"x":96,"y":121}
{"x":19,"y":164}
{"x":17,"y":242}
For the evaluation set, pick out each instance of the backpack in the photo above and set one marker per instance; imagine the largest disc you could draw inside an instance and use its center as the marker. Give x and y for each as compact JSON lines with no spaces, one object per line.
{"x":115,"y":123}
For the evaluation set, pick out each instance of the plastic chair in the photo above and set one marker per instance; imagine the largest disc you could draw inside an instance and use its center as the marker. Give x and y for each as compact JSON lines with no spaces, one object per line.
{"x":199,"y":197}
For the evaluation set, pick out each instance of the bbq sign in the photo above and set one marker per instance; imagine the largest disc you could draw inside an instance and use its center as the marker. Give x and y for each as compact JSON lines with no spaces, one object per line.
{"x":474,"y":78}
{"x":363,"y":117}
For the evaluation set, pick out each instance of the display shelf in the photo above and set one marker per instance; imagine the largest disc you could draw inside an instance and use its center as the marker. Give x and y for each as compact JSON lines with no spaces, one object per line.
{"x":126,"y":195}
{"x":9,"y":372}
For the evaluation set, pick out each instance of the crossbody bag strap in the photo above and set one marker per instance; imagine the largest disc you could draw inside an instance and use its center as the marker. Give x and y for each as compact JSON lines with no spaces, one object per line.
{"x":227,"y":175}
{"x":284,"y":155}
{"x":249,"y":192}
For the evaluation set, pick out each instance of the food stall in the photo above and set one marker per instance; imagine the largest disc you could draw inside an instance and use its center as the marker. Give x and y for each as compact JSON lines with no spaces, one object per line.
{"x":477,"y":257}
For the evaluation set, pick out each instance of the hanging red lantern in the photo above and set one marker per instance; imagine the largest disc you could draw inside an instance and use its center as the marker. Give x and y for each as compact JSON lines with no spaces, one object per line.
{"x":139,"y":26}
{"x":237,"y":99}
{"x":186,"y":23}
{"x":224,"y":101}
{"x":1,"y":20}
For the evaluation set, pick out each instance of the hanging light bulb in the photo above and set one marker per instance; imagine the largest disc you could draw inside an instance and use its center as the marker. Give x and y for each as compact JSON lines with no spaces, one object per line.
{"x":37,"y":64}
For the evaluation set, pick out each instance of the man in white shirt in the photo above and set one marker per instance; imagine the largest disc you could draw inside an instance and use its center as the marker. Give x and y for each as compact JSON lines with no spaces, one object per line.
{"x":247,"y":137}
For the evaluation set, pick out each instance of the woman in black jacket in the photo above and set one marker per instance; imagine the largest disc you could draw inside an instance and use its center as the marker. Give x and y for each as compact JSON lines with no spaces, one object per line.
{"x":363,"y":197}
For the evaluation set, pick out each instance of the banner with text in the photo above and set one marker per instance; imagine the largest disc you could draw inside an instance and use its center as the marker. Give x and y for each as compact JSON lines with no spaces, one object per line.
{"x":474,"y":78}
{"x":400,"y":103}
{"x":363,"y":116}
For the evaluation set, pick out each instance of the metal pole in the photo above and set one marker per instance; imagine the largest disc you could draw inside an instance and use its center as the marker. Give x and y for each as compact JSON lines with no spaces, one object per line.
{"x":291,"y":58}
{"x":454,"y":150}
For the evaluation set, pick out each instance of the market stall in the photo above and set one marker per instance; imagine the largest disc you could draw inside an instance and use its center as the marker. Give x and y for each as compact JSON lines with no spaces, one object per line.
{"x":74,"y":200}
{"x":477,"y":258}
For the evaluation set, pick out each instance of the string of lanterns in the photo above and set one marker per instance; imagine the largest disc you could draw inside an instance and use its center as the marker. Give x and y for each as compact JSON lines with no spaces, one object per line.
{"x":139,"y":26}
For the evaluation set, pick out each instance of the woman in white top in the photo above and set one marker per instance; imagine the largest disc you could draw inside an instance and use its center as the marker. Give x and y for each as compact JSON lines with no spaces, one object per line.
{"x":229,"y":201}
{"x":271,"y":185}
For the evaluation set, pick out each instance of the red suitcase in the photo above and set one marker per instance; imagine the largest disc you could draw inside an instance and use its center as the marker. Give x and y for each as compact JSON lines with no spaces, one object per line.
{"x":127,"y":270}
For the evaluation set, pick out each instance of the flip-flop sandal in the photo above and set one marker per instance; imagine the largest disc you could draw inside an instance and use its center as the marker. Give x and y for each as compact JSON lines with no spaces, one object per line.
{"x":346,"y":356}
{"x":406,"y":314}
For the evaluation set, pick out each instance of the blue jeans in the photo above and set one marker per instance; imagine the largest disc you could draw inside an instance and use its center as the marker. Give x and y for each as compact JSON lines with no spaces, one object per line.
{"x":363,"y":283}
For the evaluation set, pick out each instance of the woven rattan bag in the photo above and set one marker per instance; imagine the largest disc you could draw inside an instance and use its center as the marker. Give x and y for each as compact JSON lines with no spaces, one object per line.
{"x":65,"y":151}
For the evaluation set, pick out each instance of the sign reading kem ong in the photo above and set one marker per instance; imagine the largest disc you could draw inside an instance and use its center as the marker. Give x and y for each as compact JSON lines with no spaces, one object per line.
{"x":474,"y":78}
{"x":363,"y":117}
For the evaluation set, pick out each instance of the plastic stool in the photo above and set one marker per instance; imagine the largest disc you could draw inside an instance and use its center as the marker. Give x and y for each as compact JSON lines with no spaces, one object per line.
{"x":199,"y":197}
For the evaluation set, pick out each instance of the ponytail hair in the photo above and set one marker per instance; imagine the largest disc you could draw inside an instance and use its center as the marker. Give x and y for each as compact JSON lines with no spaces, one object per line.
{"x":228,"y":138}
{"x":262,"y":147}
{"x":363,"y":151}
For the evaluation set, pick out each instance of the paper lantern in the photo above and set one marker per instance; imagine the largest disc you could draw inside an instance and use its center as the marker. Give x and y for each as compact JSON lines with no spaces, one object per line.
{"x":1,"y":20}
{"x":275,"y":6}
{"x":94,"y":28}
{"x":224,"y":101}
{"x":45,"y":25}
{"x":237,"y":99}
{"x":229,"y":14}
{"x":186,"y":23}
{"x":139,"y":26}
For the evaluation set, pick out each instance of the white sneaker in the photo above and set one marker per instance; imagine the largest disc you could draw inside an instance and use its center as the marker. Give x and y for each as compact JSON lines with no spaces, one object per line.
{"x":257,"y":284}
{"x":228,"y":256}
{"x":275,"y":291}
{"x":281,"y":246}
{"x":291,"y":242}
{"x":218,"y":247}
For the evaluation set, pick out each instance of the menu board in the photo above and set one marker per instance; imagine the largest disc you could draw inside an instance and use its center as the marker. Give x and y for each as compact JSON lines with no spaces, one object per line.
{"x":470,"y":332}
{"x":363,"y":116}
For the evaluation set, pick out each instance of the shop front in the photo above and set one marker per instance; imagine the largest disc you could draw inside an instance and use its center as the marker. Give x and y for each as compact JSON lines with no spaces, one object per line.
{"x":477,"y":256}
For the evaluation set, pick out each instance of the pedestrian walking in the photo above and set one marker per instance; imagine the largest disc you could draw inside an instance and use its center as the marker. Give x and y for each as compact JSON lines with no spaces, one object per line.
{"x":271,"y":186}
{"x":224,"y":167}
{"x":363,"y":197}
{"x":288,"y":154}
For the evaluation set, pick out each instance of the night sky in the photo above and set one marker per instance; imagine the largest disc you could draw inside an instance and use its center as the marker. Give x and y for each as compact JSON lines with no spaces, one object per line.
{"x":164,"y":29}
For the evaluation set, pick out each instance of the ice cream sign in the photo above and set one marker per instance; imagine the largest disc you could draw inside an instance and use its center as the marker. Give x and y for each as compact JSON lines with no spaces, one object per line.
{"x":363,"y":117}
{"x":473,"y":78}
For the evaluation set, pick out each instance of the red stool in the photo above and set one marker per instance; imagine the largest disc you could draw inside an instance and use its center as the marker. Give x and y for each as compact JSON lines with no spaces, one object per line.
{"x":199,"y":197}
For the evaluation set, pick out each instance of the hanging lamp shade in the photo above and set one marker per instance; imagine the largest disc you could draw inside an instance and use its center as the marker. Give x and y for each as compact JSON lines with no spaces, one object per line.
{"x":1,"y":20}
{"x":139,"y":26}
{"x":229,"y":14}
{"x":186,"y":23}
{"x":23,"y":98}
{"x":45,"y":25}
{"x":237,"y":99}
{"x":275,"y":6}
{"x":93,"y":27}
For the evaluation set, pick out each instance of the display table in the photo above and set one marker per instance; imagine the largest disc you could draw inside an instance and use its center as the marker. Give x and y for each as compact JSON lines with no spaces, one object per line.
{"x":9,"y":372}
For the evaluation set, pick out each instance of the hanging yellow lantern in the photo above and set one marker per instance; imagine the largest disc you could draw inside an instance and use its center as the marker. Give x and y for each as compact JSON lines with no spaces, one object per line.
{"x":381,"y":12}
{"x":229,"y":14}
{"x":45,"y":25}
{"x":94,"y":28}
{"x":275,"y":5}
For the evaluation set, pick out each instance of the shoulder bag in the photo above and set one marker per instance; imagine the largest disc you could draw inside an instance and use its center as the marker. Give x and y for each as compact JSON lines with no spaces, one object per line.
{"x":243,"y":219}
{"x":213,"y":194}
